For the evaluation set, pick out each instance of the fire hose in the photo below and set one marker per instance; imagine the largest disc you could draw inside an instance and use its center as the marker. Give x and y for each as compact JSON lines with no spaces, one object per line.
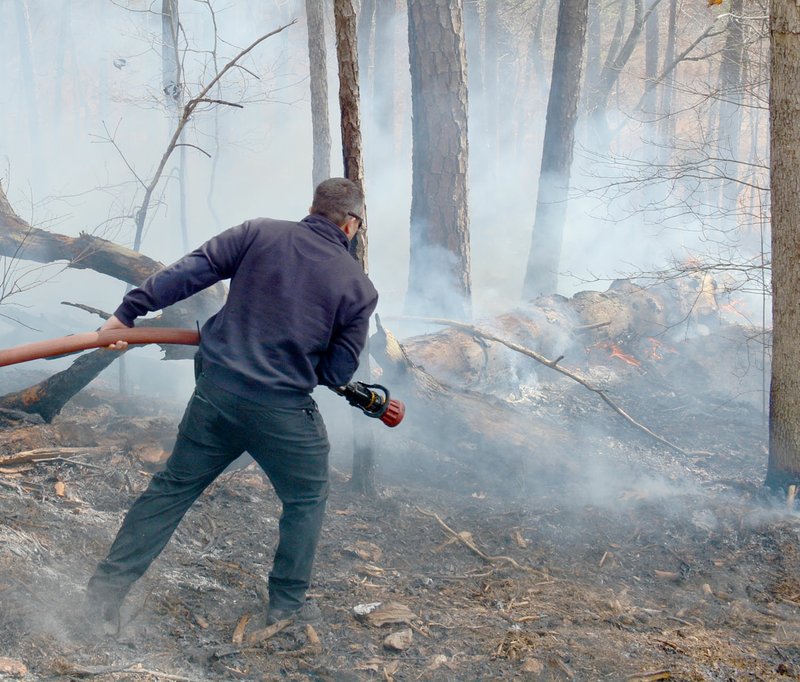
{"x":372,"y":399}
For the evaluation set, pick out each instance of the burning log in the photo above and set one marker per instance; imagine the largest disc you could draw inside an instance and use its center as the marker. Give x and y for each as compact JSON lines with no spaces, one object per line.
{"x":559,"y":327}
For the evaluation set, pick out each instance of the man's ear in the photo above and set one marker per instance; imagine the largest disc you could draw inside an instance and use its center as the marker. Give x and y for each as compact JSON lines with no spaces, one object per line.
{"x":350,"y":228}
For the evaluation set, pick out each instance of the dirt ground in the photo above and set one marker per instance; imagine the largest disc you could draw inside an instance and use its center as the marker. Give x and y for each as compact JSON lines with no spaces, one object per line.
{"x":652,"y":565}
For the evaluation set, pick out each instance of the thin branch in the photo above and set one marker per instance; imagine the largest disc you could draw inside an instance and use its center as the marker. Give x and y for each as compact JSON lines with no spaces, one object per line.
{"x":188,"y":110}
{"x":221,"y":101}
{"x":194,"y":146}
{"x":86,"y":308}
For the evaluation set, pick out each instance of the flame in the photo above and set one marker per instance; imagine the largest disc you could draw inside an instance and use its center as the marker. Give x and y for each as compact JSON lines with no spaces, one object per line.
{"x":616,"y":352}
{"x":658,"y":348}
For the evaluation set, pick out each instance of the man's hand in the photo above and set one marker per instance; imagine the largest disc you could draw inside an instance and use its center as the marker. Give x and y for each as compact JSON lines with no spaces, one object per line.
{"x":112,"y":323}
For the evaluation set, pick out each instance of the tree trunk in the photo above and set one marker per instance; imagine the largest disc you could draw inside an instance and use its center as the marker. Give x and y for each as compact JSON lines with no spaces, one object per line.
{"x":18,"y":240}
{"x":491,"y":83}
{"x":363,"y":479}
{"x":318,"y":80}
{"x":650,"y":96}
{"x":784,"y":423}
{"x":25,"y":38}
{"x":172,"y":84}
{"x":49,"y":397}
{"x":667,"y":125}
{"x":730,"y":107}
{"x":383,"y":75}
{"x":618,"y":56}
{"x":541,"y":276}
{"x":366,"y":31}
{"x":594,"y":40}
{"x":439,"y":268}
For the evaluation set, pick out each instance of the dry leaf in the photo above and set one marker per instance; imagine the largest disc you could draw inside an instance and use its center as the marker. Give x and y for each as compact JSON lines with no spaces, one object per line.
{"x":399,"y":641}
{"x":389,"y":613}
{"x":366,"y":550}
{"x":12,"y":667}
{"x":61,"y":489}
{"x":241,"y":626}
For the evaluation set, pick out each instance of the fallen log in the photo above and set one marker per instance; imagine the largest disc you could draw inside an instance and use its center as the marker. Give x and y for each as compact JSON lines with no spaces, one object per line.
{"x":19,"y":240}
{"x":562,"y":327}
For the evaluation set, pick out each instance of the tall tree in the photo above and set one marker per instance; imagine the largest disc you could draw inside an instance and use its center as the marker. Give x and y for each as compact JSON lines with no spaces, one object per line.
{"x":667,"y":124}
{"x":541,"y":276}
{"x":383,"y":72}
{"x":731,"y":109}
{"x":618,"y":55}
{"x":172,"y":83}
{"x":25,"y":37}
{"x":439,"y":270}
{"x":363,"y":479}
{"x":318,"y":79}
{"x":784,"y":102}
{"x":651,"y":50}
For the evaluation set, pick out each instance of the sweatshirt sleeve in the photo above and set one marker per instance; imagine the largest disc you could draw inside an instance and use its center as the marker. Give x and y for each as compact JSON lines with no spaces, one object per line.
{"x":210,"y":263}
{"x":340,"y":362}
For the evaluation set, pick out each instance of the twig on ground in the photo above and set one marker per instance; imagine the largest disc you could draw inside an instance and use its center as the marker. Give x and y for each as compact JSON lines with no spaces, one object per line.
{"x":471,"y":545}
{"x":45,"y":454}
{"x":90,"y":671}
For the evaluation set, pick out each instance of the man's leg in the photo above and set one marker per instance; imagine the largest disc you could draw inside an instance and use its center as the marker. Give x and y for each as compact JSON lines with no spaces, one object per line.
{"x":292,"y":449}
{"x":202,"y":451}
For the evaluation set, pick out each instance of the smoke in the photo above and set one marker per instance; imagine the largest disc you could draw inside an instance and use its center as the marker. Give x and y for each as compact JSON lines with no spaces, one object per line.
{"x":102,"y":127}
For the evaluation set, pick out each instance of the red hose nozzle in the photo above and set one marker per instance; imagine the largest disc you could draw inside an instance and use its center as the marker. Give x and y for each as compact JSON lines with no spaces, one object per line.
{"x":395,"y":411}
{"x":374,"y":401}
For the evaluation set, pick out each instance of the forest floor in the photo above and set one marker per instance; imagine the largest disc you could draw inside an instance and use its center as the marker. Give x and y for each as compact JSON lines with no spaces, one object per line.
{"x":655,"y":565}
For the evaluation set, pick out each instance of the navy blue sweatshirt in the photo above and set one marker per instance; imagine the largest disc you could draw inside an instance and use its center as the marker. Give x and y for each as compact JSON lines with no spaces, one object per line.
{"x":297,"y":312}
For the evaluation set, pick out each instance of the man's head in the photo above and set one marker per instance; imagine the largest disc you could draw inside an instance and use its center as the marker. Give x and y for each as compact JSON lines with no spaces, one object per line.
{"x":342,"y":202}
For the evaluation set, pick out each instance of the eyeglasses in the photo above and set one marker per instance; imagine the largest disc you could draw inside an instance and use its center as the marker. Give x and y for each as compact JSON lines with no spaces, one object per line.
{"x":357,"y":217}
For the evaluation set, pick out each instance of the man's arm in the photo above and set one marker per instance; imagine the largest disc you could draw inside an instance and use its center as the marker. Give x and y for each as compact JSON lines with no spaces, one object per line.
{"x":340,"y":362}
{"x":215,"y":260}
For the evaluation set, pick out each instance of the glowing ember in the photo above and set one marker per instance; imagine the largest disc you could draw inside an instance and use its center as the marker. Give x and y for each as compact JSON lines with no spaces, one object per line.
{"x":658,"y":348}
{"x":616,"y":352}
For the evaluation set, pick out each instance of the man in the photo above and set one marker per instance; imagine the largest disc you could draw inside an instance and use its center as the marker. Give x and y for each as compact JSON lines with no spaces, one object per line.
{"x":297,"y":315}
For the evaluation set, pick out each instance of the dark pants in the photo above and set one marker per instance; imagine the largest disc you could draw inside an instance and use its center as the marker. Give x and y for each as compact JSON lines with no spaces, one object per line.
{"x":291,"y":446}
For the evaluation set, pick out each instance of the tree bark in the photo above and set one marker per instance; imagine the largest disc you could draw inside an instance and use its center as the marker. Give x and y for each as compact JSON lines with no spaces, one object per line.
{"x":541,"y":276}
{"x":318,"y":81}
{"x":363,"y":479}
{"x":439,"y":280}
{"x":784,"y":414}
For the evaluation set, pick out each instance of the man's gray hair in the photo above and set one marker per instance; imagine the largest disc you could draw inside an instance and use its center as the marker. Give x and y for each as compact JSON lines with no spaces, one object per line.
{"x":336,"y":198}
